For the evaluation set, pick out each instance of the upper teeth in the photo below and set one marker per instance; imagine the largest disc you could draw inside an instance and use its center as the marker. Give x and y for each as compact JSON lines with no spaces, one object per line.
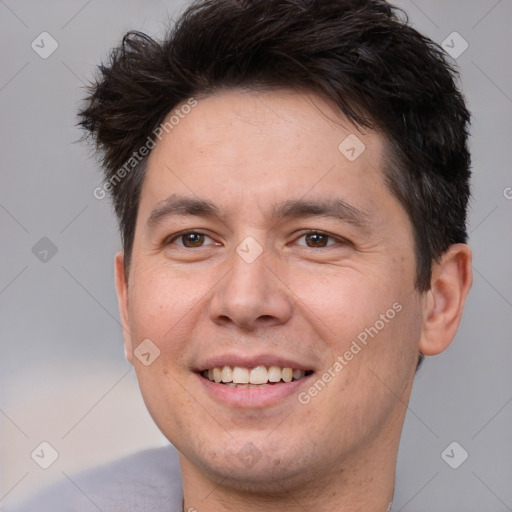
{"x":258,"y":375}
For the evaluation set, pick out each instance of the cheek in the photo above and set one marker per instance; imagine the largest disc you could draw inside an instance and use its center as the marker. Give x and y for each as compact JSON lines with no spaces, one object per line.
{"x":378,"y":359}
{"x":372,"y":321}
{"x":173,"y":411}
{"x":162,"y":305}
{"x":346,"y":302}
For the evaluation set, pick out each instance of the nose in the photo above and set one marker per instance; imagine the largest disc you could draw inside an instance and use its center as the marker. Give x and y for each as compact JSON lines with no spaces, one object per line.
{"x":251,"y":295}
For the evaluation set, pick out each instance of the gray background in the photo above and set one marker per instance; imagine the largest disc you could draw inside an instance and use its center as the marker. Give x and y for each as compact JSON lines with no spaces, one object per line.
{"x":63,"y":376}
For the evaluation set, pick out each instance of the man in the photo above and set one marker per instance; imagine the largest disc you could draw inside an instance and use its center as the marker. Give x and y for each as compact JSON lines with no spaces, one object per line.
{"x":291,"y":182}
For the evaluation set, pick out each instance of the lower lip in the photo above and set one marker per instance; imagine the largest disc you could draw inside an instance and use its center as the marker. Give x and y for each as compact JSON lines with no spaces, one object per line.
{"x":252,"y":397}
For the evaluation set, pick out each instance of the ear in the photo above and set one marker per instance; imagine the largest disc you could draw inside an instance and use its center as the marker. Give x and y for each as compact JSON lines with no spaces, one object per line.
{"x":122,"y":297}
{"x":443,"y":303}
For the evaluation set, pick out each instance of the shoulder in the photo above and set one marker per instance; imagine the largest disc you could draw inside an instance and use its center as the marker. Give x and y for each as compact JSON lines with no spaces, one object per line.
{"x":148,"y":481}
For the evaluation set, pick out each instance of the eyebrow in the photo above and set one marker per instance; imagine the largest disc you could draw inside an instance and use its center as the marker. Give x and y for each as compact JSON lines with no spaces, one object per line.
{"x":333,"y":208}
{"x":290,"y":209}
{"x":181,"y":206}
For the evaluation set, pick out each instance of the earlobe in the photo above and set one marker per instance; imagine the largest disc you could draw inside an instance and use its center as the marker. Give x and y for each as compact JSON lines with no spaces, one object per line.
{"x":444,"y":302}
{"x":122,"y":297}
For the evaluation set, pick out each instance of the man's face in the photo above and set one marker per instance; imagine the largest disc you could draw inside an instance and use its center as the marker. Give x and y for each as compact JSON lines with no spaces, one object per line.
{"x":251,"y":286}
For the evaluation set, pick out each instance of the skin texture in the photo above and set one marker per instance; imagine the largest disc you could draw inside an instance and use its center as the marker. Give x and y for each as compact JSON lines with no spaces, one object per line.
{"x":247,"y":151}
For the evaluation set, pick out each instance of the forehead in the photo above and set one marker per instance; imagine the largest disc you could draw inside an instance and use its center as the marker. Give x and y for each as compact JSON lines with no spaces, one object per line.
{"x":281,"y":119}
{"x":255,"y":148}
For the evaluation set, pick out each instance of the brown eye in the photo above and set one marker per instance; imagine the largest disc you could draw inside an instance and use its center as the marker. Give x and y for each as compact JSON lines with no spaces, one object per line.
{"x":192,"y":239}
{"x":189,"y":240}
{"x":316,"y":239}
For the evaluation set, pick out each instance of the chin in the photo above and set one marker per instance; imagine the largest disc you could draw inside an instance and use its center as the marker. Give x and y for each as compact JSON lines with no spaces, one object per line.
{"x":268,"y":472}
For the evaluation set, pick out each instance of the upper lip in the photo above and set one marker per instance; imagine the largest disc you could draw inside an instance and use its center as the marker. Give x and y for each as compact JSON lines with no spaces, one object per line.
{"x":245,"y":361}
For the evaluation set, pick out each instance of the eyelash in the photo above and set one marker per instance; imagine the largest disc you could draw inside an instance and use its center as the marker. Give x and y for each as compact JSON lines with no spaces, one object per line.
{"x":178,"y":236}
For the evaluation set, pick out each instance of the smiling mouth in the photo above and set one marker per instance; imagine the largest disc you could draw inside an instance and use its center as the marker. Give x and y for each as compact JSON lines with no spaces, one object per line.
{"x":258,"y":377}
